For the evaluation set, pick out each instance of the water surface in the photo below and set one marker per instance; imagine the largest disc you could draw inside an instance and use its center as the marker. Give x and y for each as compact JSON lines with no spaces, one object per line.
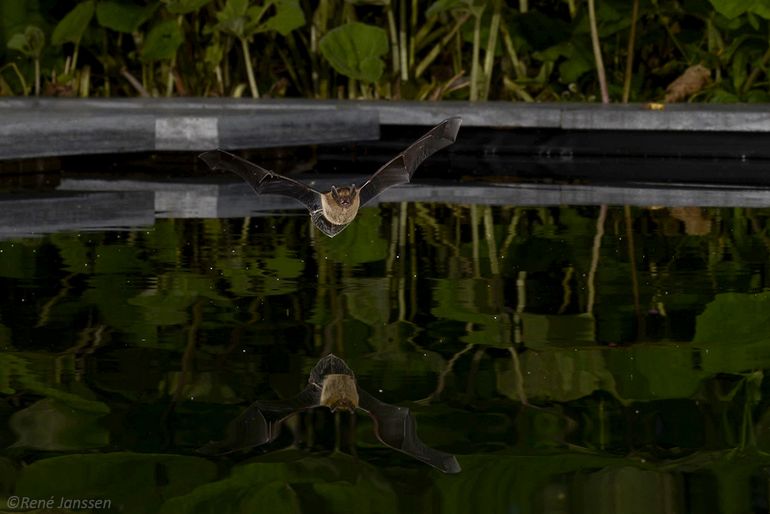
{"x":575,"y":359}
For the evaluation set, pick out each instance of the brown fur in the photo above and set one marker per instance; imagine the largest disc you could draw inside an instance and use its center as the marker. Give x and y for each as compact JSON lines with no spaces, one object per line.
{"x":339,"y":392}
{"x":340,"y":208}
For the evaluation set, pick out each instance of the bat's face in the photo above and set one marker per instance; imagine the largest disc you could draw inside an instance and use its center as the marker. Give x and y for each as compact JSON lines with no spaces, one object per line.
{"x":339,"y":392}
{"x":344,"y":196}
{"x":340,"y":205}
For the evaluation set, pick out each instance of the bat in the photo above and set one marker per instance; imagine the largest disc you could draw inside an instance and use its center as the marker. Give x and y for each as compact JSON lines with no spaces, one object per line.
{"x":331,"y":384}
{"x":335,"y":209}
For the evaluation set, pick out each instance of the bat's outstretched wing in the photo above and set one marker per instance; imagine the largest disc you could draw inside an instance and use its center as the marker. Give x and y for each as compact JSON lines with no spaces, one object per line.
{"x":396,"y":427}
{"x":259,"y":424}
{"x":262,"y":180}
{"x":399,"y":170}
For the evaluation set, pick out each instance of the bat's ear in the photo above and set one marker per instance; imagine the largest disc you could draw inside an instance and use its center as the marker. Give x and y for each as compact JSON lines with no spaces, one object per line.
{"x":353,"y":190}
{"x":335,"y":194}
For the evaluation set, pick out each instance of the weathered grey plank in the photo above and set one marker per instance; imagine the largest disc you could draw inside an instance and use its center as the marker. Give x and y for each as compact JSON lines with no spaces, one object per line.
{"x":57,"y":127}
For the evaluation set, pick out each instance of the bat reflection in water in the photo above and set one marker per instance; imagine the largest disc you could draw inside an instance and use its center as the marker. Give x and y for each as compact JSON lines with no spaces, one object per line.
{"x":333,"y":385}
{"x":332,"y":211}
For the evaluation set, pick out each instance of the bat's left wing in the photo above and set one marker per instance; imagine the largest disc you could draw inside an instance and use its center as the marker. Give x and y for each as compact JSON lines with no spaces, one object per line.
{"x":399,"y":170}
{"x":396,"y":427}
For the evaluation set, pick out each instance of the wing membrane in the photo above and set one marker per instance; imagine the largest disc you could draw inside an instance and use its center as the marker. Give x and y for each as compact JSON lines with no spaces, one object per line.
{"x":260,"y":423}
{"x":400,"y":169}
{"x":262,"y":180}
{"x":396,"y":427}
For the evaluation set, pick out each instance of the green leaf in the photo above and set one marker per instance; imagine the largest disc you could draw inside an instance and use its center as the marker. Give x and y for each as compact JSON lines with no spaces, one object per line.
{"x":71,"y":28}
{"x":123,"y":17}
{"x":288,"y":16}
{"x":442,"y":6}
{"x":476,"y":7}
{"x":546,"y":330}
{"x":730,"y":8}
{"x":739,"y":64}
{"x":733,"y":333}
{"x":122,"y":477}
{"x":355,"y":50}
{"x":368,"y":2}
{"x":162,"y":41}
{"x":30,"y":43}
{"x":556,"y":375}
{"x":734,"y":8}
{"x":232,"y":18}
{"x":52,"y":425}
{"x":646,"y":372}
{"x":579,"y":59}
{"x":337,"y":483}
{"x":734,"y":319}
{"x":184,"y":6}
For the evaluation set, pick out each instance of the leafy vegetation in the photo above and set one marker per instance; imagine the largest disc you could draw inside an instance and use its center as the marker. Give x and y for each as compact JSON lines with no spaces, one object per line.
{"x":394,"y":49}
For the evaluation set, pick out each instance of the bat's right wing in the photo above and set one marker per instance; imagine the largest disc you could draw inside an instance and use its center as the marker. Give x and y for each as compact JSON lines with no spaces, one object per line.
{"x":396,"y":427}
{"x":259,"y":424}
{"x":400,"y":169}
{"x":262,"y":180}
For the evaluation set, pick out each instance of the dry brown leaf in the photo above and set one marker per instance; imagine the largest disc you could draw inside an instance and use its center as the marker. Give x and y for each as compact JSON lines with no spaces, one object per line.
{"x":688,"y":83}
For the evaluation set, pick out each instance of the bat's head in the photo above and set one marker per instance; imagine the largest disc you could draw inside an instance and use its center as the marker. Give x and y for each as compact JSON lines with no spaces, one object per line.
{"x":344,"y":196}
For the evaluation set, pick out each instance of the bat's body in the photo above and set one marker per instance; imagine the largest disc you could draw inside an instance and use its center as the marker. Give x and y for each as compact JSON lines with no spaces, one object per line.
{"x":332,"y":211}
{"x":331,"y":384}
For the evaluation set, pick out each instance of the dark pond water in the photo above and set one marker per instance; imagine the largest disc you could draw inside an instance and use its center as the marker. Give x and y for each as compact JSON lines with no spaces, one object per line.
{"x":578,"y":359}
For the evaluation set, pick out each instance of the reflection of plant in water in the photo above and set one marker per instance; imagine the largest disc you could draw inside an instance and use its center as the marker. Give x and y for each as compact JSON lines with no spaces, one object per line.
{"x":470,"y":307}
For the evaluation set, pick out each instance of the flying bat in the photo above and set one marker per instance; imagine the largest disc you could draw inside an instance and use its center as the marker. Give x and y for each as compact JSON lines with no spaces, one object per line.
{"x":333,"y":210}
{"x":331,"y":384}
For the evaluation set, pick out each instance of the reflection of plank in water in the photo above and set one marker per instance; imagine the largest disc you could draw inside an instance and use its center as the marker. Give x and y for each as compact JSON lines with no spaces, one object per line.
{"x":25,"y":215}
{"x":225,"y":199}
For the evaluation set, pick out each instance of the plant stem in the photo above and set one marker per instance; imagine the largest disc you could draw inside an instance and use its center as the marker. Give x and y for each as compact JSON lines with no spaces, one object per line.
{"x":597,"y":52}
{"x":595,"y":252}
{"x":518,"y":66}
{"x":23,"y":82}
{"x":84,"y":83}
{"x":475,"y":61}
{"x":134,"y":83}
{"x":249,"y":69}
{"x":413,"y":31}
{"x":437,"y":49}
{"x":393,"y":39}
{"x":457,"y":55}
{"x":37,"y":76}
{"x":489,"y":54}
{"x":170,"y":78}
{"x":517,"y":89}
{"x":351,"y":88}
{"x":756,"y":71}
{"x":630,"y":56}
{"x":402,"y":43}
{"x":426,"y":34}
{"x":75,"y":56}
{"x":523,"y":6}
